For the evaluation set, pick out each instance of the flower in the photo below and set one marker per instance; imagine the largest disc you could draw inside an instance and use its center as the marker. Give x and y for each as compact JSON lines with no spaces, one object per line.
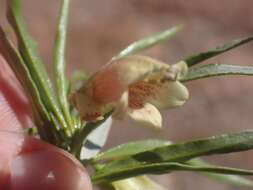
{"x":136,"y":86}
{"x":136,"y":183}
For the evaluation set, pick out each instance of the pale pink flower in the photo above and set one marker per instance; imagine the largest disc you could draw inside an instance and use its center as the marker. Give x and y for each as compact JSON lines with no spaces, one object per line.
{"x":136,"y":86}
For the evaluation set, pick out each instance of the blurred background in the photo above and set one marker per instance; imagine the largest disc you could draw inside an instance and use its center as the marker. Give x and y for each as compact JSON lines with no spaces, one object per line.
{"x":100,"y":29}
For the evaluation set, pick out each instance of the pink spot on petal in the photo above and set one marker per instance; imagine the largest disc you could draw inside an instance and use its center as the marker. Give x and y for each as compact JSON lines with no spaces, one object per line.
{"x":139,"y":92}
{"x":107,"y":86}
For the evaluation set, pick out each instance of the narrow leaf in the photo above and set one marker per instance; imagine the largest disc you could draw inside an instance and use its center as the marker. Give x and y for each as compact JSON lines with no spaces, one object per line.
{"x":32,"y":60}
{"x":131,"y":148}
{"x":59,"y":62}
{"x":15,"y":61}
{"x":185,"y":151}
{"x":212,"y":70}
{"x":199,"y":57}
{"x":107,"y":175}
{"x":235,"y":180}
{"x":149,"y":42}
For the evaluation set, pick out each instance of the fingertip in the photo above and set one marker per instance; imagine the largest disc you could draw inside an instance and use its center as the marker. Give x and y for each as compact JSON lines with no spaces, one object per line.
{"x":15,"y":111}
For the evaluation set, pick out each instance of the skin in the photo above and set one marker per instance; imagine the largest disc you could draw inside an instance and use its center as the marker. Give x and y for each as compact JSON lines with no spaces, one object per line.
{"x":27,"y":163}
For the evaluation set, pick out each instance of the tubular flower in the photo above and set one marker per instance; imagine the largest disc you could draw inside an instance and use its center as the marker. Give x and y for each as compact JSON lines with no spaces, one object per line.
{"x":134,"y":86}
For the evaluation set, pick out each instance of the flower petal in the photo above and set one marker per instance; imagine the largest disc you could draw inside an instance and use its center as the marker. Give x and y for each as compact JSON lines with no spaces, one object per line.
{"x":106,"y":88}
{"x":139,"y":92}
{"x":137,"y":183}
{"x":114,"y":78}
{"x":164,"y":94}
{"x":170,"y":94}
{"x":136,"y":67}
{"x":121,"y":107}
{"x":148,"y":116}
{"x":180,"y":69}
{"x":89,"y":109}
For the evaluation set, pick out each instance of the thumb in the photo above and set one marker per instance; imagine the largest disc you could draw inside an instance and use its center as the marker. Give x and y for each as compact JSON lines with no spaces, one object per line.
{"x":15,"y":114}
{"x":15,"y":111}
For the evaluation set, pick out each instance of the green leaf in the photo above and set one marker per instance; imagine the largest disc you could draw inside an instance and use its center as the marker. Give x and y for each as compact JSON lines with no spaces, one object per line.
{"x":199,"y":57}
{"x":184,"y":151}
{"x":61,"y":83}
{"x":235,"y":180}
{"x":107,"y":175}
{"x":212,"y":70}
{"x":178,"y":153}
{"x":148,"y":42}
{"x":34,"y":64}
{"x":15,"y":61}
{"x":130,"y":149}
